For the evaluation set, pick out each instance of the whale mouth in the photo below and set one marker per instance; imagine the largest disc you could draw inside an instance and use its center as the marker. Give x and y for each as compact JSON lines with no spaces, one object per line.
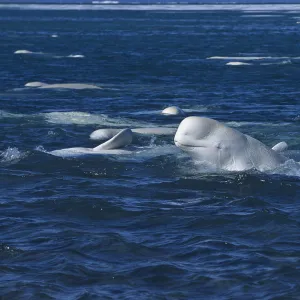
{"x":187,"y":146}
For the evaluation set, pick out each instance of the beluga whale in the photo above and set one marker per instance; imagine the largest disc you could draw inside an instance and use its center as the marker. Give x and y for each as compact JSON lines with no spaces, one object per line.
{"x":112,"y":146}
{"x":173,"y":110}
{"x":72,"y":86}
{"x":215,"y":144}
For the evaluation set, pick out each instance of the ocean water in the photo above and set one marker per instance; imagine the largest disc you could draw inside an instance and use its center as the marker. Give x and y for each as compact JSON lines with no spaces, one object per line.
{"x":153,"y":225}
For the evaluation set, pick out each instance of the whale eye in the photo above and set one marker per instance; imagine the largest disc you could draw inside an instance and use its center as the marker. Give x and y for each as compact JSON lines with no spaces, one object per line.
{"x":218,"y":145}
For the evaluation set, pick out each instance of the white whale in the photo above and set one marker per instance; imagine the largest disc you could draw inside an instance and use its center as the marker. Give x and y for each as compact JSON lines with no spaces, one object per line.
{"x":34,"y":84}
{"x":237,"y":63}
{"x":173,"y":110}
{"x":107,"y":133}
{"x":74,"y":86}
{"x":112,"y":146}
{"x":222,"y":147}
{"x":25,"y":52}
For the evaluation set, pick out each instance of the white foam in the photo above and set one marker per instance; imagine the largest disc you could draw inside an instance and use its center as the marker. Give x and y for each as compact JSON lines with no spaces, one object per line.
{"x":237,"y":63}
{"x":293,"y":8}
{"x":289,"y":168}
{"x":54,"y":35}
{"x":5,"y":114}
{"x":11,"y":155}
{"x":83,"y":118}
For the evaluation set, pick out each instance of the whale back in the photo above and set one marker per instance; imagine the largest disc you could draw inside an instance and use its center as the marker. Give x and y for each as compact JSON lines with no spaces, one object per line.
{"x":104,"y":134}
{"x":74,"y":86}
{"x":35,"y":84}
{"x":173,"y":110}
{"x":122,"y":139}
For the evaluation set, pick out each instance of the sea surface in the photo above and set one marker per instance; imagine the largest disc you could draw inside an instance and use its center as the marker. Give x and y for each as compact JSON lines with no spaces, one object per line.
{"x":154,"y":224}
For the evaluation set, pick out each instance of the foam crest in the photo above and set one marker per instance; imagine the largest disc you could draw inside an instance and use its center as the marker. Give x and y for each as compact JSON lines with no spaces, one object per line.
{"x":11,"y":155}
{"x":4,"y":114}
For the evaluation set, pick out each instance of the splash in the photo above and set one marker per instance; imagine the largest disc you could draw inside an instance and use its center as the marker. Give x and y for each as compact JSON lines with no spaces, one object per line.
{"x":11,"y":155}
{"x":289,"y":168}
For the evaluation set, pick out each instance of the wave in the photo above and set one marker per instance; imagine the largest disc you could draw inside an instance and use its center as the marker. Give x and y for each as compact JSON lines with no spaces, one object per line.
{"x":284,"y":62}
{"x":173,"y":7}
{"x":261,"y":16}
{"x":83,"y":118}
{"x":289,"y":168}
{"x":4,"y":114}
{"x":240,"y":124}
{"x":77,"y":118}
{"x":105,"y":2}
{"x":251,"y":57}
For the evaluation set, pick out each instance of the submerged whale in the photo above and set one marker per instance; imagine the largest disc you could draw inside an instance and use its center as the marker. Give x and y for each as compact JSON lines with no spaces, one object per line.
{"x":107,"y":133}
{"x":173,"y":110}
{"x":222,"y":147}
{"x":112,"y":146}
{"x":74,"y":86}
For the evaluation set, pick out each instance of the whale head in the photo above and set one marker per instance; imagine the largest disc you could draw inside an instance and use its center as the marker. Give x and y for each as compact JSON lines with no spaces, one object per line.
{"x":210,"y":141}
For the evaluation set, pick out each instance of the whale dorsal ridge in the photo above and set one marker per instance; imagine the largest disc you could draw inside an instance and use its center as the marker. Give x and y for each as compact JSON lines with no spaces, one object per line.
{"x":122,"y":139}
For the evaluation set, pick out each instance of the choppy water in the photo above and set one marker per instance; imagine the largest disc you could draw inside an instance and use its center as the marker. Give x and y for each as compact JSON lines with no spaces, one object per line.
{"x":154,"y":225}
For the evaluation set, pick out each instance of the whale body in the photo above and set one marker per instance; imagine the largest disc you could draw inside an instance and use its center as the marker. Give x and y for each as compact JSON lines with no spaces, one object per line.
{"x":173,"y":110}
{"x":237,"y":63}
{"x":112,"y":146}
{"x":212,"y":142}
{"x":24,"y":52}
{"x":34,"y":84}
{"x":74,"y":86}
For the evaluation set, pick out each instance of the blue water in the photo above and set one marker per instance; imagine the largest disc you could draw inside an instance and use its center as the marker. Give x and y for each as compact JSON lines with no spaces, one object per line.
{"x":153,"y":225}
